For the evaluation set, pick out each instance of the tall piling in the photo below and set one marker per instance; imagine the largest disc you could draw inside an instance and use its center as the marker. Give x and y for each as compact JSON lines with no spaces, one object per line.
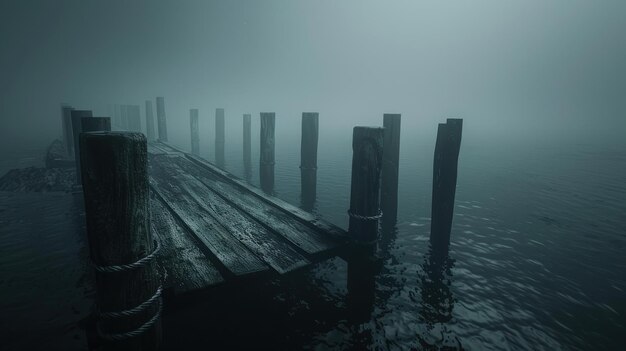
{"x":195,"y":133}
{"x":68,"y":136}
{"x":364,"y":212}
{"x":77,"y":128}
{"x":134,"y":118}
{"x":124,"y":117}
{"x":247,"y":146}
{"x":117,"y":117}
{"x":445,"y":167}
{"x":266,"y":164}
{"x":389,"y":175}
{"x":219,"y":137}
{"x":150,"y":134}
{"x":121,"y":246}
{"x":161,"y":120}
{"x":308,"y":159}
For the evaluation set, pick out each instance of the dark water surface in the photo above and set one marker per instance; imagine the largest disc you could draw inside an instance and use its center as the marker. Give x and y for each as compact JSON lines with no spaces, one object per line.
{"x":537,"y":259}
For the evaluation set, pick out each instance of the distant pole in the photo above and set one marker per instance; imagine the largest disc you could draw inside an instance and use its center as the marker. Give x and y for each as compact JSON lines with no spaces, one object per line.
{"x":124,"y":117}
{"x":117,"y":213}
{"x":266,"y":168}
{"x":219,"y":137}
{"x":68,"y":136}
{"x":195,"y":134}
{"x":247,"y":145}
{"x":445,"y":167}
{"x":367,"y":148}
{"x":95,"y":124}
{"x":161,"y":120}
{"x":149,"y":122}
{"x":77,"y":128}
{"x":389,"y":176}
{"x":134,"y":118}
{"x":308,"y":159}
{"x":117,"y":116}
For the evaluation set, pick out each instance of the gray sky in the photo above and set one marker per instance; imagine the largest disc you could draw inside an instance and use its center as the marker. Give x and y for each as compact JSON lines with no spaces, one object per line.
{"x":504,"y":66}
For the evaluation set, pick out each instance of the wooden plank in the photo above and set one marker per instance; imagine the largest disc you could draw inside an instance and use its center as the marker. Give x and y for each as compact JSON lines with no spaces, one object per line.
{"x":305,"y":238}
{"x":186,"y":267}
{"x":267,"y":245}
{"x":305,"y":217}
{"x":230,"y":253}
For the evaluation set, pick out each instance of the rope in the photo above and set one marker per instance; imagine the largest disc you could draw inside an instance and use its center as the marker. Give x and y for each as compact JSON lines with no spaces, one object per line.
{"x":131,"y":334}
{"x":127,"y":267}
{"x":366,"y":218}
{"x":133,"y":311}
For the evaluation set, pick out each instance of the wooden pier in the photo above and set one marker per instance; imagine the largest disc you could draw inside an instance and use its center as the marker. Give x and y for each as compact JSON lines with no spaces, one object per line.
{"x":214,"y":228}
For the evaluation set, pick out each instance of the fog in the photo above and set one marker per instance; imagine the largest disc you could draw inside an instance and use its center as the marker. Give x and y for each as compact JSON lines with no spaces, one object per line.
{"x":524,"y":69}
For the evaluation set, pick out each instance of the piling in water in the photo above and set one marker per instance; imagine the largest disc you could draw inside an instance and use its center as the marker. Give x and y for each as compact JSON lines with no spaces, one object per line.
{"x":95,"y":124}
{"x":161,"y":120}
{"x":444,"y":183}
{"x":266,"y":164}
{"x":117,"y":212}
{"x":219,"y":137}
{"x":247,"y":146}
{"x":68,"y":136}
{"x":195,"y":134}
{"x":149,"y":122}
{"x":389,"y":174}
{"x":308,"y":159}
{"x":367,"y":148}
{"x":134,"y":118}
{"x":77,"y":128}
{"x":124,"y":117}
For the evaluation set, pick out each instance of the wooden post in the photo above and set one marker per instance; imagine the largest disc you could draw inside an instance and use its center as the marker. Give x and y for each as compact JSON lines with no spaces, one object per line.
{"x":161,"y":120}
{"x":367,"y":148}
{"x":308,"y":159}
{"x":195,"y":134}
{"x":219,"y":137}
{"x":149,"y":122}
{"x":266,"y":167}
{"x":444,"y":183}
{"x":134,"y":118}
{"x":389,"y":175}
{"x":68,"y":136}
{"x":247,"y":146}
{"x":77,"y":128}
{"x":117,"y":116}
{"x":117,"y":212}
{"x":95,"y":124}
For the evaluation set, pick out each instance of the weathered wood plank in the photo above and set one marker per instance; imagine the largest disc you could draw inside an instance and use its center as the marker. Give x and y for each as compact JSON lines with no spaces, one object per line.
{"x":186,"y":267}
{"x":304,"y":217}
{"x":232,"y":254}
{"x":270,"y":247}
{"x":307,"y":239}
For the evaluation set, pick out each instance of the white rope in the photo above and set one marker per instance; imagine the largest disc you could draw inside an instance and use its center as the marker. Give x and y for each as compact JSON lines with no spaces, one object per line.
{"x":126,"y":267}
{"x":366,"y":218}
{"x":133,"y":311}
{"x":131,"y":334}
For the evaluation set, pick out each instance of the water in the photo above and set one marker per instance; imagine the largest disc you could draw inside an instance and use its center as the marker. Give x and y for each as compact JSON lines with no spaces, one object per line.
{"x":536,"y":260}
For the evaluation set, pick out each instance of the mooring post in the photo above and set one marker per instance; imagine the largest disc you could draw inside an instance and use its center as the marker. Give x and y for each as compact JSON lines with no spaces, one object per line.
{"x":389,"y":175}
{"x":266,"y":167}
{"x":134,"y":118}
{"x":124,"y":117}
{"x":117,"y":119}
{"x":444,"y":183}
{"x":122,"y":249}
{"x":77,"y":128}
{"x":247,"y":146}
{"x":308,"y":159}
{"x":195,"y":133}
{"x":149,"y":122}
{"x":219,"y":137}
{"x":68,"y":136}
{"x":364,"y":212}
{"x":161,"y":120}
{"x":95,"y":124}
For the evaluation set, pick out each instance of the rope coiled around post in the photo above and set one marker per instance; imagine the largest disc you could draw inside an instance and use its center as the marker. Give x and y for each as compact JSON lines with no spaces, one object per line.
{"x":366,"y":218}
{"x":135,"y":310}
{"x":142,"y":329}
{"x":127,"y":267}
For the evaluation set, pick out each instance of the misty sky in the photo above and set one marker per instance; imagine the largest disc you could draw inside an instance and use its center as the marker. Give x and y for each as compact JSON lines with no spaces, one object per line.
{"x":508,"y":66}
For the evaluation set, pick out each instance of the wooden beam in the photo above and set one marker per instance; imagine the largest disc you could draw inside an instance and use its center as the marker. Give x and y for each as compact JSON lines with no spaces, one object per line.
{"x":308,"y":159}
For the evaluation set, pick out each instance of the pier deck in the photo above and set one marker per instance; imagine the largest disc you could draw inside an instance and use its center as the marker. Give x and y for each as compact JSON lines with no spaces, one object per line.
{"x":215,"y":228}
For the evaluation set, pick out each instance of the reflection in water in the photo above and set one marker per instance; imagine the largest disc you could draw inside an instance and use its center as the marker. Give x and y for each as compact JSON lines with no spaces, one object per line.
{"x":308,"y":188}
{"x":437,"y":300}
